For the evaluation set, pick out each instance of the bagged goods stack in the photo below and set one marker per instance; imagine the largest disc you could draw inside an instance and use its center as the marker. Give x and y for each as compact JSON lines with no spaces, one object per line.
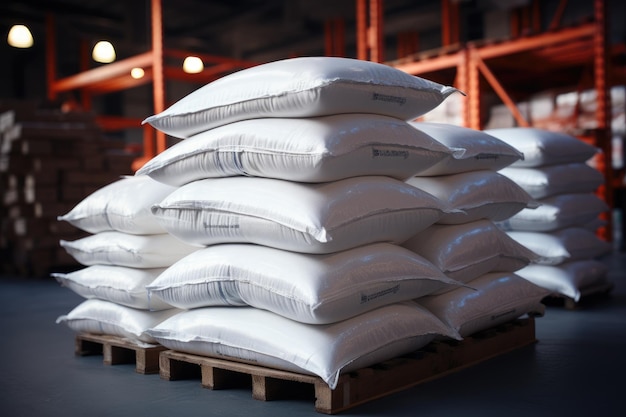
{"x":562,"y":229}
{"x":126,"y":249}
{"x":289,"y":188}
{"x":48,"y":160}
{"x":292,"y":176}
{"x":467,"y":245}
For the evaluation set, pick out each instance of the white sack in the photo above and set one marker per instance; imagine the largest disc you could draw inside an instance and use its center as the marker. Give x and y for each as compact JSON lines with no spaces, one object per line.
{"x":483,"y":194}
{"x":118,"y":284}
{"x":301,"y":87}
{"x":551,"y":180}
{"x":567,"y":279}
{"x":122,"y":249}
{"x":267,"y":339}
{"x":107,"y":318}
{"x":596,"y":224}
{"x":467,"y":251}
{"x":311,"y":218}
{"x":558,"y":212}
{"x":123,"y":205}
{"x":482,"y":151}
{"x":316,"y":289}
{"x":569,"y":244}
{"x":318,"y":149}
{"x":543,"y":147}
{"x":493,"y":299}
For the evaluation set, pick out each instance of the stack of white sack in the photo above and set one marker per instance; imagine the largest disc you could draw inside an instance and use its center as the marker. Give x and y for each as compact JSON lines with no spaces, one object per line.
{"x":467,"y":245}
{"x":291,"y":174}
{"x":126,"y":250}
{"x":556,"y":172}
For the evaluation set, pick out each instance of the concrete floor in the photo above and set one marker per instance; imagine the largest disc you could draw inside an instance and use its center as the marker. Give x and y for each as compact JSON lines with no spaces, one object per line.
{"x":575,"y":369}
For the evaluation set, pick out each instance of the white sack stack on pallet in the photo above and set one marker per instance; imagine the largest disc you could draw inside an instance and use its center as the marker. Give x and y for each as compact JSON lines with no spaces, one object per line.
{"x":467,"y":245}
{"x":292,"y":175}
{"x":562,"y":230}
{"x":125,"y":251}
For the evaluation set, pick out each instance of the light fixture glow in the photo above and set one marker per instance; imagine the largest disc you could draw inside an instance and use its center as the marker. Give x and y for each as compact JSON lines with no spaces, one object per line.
{"x":103,"y":52}
{"x":20,"y":37}
{"x":137,"y":73}
{"x":193,"y":65}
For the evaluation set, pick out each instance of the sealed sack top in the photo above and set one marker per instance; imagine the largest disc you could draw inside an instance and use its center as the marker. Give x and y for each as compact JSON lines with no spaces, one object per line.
{"x":301,"y":87}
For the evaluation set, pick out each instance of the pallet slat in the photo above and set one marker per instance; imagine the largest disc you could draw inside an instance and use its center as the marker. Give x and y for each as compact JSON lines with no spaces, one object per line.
{"x":363,"y":385}
{"x":116,"y":350}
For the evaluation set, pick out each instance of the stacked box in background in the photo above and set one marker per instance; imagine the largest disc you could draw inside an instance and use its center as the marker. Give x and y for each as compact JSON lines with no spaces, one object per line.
{"x":48,"y":160}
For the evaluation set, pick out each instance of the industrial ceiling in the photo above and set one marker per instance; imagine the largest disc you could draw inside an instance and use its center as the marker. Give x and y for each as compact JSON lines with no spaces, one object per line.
{"x":264,"y":30}
{"x":257,"y":30}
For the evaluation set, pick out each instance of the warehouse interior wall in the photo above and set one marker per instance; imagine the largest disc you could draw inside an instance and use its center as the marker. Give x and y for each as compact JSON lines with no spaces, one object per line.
{"x":569,"y":108}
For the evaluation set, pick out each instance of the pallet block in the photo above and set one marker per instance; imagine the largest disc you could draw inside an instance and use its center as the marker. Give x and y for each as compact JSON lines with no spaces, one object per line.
{"x":363,"y":385}
{"x":117,"y":350}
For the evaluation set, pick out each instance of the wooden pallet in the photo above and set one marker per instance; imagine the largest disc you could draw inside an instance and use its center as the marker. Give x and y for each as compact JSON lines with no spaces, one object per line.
{"x":435,"y":360}
{"x":117,"y":350}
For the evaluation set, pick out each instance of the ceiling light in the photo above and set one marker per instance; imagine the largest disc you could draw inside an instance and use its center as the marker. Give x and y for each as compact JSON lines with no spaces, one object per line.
{"x":137,"y":73}
{"x":193,"y":65}
{"x":103,"y":52}
{"x":20,"y":37}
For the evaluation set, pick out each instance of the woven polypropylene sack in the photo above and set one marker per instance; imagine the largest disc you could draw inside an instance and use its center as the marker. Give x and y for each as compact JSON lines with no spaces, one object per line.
{"x":544,"y":147}
{"x":316,"y":289}
{"x":123,"y":249}
{"x":302,"y":87}
{"x":118,"y":284}
{"x":123,"y":206}
{"x":267,"y":339}
{"x":565,"y":245}
{"x":483,"y":194}
{"x":310,"y":218}
{"x":492,"y":299}
{"x":316,"y":149}
{"x":466,"y":251}
{"x":557,"y":212}
{"x":551,"y":180}
{"x":568,"y":279}
{"x":108,"y":318}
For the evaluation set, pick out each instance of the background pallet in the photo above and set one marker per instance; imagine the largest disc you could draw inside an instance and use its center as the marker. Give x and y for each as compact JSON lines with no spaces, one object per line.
{"x":434,"y":361}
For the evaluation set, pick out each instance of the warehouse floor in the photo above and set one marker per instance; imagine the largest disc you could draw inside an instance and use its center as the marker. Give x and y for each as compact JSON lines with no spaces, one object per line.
{"x":575,"y":369}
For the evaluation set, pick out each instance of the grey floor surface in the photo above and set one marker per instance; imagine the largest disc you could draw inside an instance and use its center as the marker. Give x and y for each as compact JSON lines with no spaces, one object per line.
{"x":577,"y":368}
